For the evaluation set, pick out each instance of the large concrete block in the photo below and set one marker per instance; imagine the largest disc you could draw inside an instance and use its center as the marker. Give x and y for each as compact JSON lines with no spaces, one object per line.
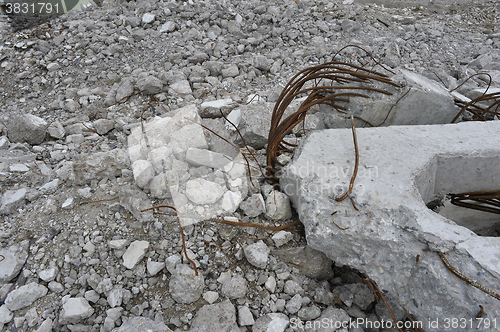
{"x":400,"y":170}
{"x":420,"y":102}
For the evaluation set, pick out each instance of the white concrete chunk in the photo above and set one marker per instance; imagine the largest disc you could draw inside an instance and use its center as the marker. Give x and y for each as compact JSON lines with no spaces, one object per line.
{"x":75,"y":310}
{"x":231,"y":201}
{"x":135,"y":252}
{"x":282,"y":237}
{"x":201,"y":191}
{"x":257,"y":254}
{"x":154,"y":267}
{"x":143,"y":172}
{"x":210,"y":296}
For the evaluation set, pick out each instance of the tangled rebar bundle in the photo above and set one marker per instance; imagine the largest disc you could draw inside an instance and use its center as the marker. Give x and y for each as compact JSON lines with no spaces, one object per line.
{"x":331,"y":83}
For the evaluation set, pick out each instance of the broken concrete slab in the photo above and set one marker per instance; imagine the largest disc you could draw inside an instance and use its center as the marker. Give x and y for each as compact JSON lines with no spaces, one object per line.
{"x":420,"y":101}
{"x":401,"y":169}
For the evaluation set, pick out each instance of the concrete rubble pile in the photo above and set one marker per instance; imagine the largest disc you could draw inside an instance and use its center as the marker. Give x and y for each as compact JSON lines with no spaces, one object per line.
{"x":104,"y":115}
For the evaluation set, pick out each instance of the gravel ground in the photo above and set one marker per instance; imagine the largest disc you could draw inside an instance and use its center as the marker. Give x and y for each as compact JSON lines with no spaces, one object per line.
{"x":78,"y":255}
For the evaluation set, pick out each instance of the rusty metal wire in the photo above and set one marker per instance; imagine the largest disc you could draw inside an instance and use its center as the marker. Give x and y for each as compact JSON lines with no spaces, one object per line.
{"x":487,"y":201}
{"x":331,"y":83}
{"x":480,"y":111}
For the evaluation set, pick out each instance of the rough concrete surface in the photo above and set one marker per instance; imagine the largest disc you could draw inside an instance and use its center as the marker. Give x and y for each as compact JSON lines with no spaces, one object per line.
{"x":400,"y":170}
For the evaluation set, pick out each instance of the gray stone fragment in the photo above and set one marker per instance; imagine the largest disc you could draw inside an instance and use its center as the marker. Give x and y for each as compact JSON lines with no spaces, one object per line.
{"x":245,"y":317}
{"x":136,"y":324}
{"x":309,"y":313}
{"x":92,"y":296}
{"x":210,"y":296}
{"x":310,"y":262}
{"x":26,"y":128}
{"x":4,"y":290}
{"x":46,"y":326}
{"x":261,"y":62}
{"x":148,"y":18}
{"x":14,"y":258}
{"x":216,"y":317}
{"x":235,"y":288}
{"x":103,"y":126}
{"x":254,"y":205}
{"x":230,"y":71}
{"x":144,"y":172}
{"x":182,"y":87}
{"x":56,"y":130}
{"x":4,"y":143}
{"x":213,"y":108}
{"x":115,"y":297}
{"x":257,"y":254}
{"x":281,"y":237}
{"x":185,"y":286}
{"x":154,"y":267}
{"x":169,"y":26}
{"x":126,"y":89}
{"x":275,"y":322}
{"x":74,"y":310}
{"x":55,"y":287}
{"x":256,"y":123}
{"x":150,"y":84}
{"x":5,"y":314}
{"x":278,"y":206}
{"x":134,"y":253}
{"x":48,"y":275}
{"x":323,"y":296}
{"x":292,"y":287}
{"x":215,"y":67}
{"x":363,"y":295}
{"x":24,"y":296}
{"x":294,"y":304}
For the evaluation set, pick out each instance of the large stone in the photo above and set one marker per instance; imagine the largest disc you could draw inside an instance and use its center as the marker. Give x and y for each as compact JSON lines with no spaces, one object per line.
{"x":25,"y":296}
{"x":26,"y":128}
{"x":185,"y":286}
{"x":134,"y":253}
{"x":74,"y":310}
{"x":392,"y":225}
{"x":310,"y":262}
{"x":216,"y":317}
{"x":256,"y":123}
{"x":257,"y":254}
